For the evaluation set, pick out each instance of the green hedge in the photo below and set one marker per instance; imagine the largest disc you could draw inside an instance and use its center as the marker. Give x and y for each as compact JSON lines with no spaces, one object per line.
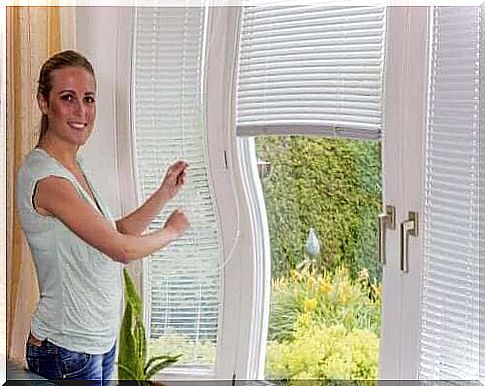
{"x":331,"y":185}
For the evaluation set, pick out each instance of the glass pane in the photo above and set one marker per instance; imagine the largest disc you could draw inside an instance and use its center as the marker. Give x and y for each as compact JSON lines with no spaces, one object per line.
{"x":323,"y":197}
{"x":183,"y":281}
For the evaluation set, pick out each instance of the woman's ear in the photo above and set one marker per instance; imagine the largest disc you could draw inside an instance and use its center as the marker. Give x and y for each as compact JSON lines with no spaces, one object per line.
{"x":43,"y":104}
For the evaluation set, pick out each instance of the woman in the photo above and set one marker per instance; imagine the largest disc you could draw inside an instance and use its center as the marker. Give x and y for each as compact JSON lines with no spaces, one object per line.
{"x":77,"y":247}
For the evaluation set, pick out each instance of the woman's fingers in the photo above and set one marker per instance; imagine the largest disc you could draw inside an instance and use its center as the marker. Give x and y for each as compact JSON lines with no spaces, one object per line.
{"x":178,"y":166}
{"x":178,"y":222}
{"x":181,"y":177}
{"x":180,"y":170}
{"x":175,"y":177}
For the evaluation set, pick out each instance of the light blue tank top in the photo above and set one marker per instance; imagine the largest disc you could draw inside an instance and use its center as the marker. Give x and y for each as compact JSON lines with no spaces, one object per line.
{"x":81,"y":289}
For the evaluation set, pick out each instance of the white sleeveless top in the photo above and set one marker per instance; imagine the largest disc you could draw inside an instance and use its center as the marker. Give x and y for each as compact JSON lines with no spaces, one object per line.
{"x":81,"y":288}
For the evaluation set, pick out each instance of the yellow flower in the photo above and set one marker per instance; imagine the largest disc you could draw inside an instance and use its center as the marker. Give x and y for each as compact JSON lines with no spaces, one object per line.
{"x":344,"y":292}
{"x":310,"y":304}
{"x":304,"y":320}
{"x":325,"y":287}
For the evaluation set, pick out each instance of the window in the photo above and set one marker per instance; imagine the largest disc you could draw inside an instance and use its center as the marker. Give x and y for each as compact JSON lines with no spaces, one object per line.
{"x":206,"y":41}
{"x":309,"y":71}
{"x":182,"y":284}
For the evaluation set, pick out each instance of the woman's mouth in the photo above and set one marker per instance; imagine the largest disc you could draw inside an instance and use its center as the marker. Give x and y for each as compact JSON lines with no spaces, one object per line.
{"x":77,"y":125}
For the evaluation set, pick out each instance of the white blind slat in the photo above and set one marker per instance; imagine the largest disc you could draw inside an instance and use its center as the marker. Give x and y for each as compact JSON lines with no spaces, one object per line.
{"x":450,"y":313}
{"x":318,"y":64}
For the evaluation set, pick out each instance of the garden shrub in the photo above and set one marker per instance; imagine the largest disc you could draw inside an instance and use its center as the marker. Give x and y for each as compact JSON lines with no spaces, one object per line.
{"x":331,"y":185}
{"x":324,"y":352}
{"x":329,"y":299}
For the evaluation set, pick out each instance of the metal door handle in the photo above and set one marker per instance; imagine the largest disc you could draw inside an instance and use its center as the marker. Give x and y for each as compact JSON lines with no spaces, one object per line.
{"x":408,"y":228}
{"x":387,"y":220}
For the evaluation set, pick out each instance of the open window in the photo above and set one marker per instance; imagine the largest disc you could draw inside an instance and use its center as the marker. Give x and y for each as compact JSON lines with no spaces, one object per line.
{"x":205,"y":81}
{"x":310,"y":94}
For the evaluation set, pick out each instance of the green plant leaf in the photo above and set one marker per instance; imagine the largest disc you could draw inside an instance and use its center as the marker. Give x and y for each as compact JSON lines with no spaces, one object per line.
{"x":132,"y":352}
{"x":175,"y":358}
{"x":129,"y":372}
{"x":131,"y":294}
{"x":160,"y":366}
{"x":140,"y":344}
{"x":126,"y":353}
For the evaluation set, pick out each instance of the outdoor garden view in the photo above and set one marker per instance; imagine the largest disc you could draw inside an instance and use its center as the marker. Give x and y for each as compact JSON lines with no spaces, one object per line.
{"x":323,"y":198}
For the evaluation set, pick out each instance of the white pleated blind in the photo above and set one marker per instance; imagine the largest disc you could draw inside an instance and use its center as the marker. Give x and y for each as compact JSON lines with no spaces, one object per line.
{"x":482,"y":194}
{"x":311,"y":70}
{"x":449,"y":342}
{"x":182,"y":282}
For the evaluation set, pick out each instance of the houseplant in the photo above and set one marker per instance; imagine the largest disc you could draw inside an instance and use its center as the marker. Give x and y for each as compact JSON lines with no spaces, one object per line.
{"x":132,"y":353}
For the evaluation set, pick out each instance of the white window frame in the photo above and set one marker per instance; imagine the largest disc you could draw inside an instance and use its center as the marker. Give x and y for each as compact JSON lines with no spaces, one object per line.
{"x":403,"y":165}
{"x":404,"y":182}
{"x":243,"y":321}
{"x":247,"y":275}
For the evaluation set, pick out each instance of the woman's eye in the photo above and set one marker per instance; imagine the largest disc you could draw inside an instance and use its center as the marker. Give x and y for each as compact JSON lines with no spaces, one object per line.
{"x":67,"y":97}
{"x":89,"y":99}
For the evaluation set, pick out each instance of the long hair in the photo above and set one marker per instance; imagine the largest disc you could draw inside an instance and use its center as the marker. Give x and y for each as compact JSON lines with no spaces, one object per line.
{"x":60,"y":60}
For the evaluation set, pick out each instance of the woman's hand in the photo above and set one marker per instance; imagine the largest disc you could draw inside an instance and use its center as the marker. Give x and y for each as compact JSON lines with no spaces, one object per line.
{"x":174,"y":179}
{"x":136,"y":222}
{"x":177,"y":223}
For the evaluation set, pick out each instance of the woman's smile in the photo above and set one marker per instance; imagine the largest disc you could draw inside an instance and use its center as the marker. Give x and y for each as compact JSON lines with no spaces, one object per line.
{"x":77,"y":125}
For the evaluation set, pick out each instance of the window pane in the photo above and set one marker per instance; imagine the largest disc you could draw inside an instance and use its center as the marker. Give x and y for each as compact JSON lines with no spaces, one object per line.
{"x":323,"y":198}
{"x":182,"y":283}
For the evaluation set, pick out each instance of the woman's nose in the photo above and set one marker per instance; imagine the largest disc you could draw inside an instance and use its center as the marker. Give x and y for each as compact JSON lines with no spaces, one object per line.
{"x":79,"y":109}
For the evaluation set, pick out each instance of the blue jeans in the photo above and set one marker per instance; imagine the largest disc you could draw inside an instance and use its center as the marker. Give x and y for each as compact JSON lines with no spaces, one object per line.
{"x":54,"y":362}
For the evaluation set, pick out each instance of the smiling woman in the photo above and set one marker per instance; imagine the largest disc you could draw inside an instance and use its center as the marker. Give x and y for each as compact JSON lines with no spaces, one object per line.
{"x":71,"y":108}
{"x":66,"y":95}
{"x":77,"y":246}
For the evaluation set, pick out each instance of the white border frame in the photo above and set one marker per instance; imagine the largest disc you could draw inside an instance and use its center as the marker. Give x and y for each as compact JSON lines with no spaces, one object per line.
{"x":403,"y":185}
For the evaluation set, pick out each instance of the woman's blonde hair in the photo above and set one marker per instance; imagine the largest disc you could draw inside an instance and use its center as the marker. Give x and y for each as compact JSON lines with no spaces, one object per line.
{"x":60,"y":60}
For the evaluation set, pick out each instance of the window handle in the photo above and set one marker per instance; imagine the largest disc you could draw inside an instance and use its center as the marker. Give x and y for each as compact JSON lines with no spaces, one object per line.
{"x":408,"y":228}
{"x":387,"y":220}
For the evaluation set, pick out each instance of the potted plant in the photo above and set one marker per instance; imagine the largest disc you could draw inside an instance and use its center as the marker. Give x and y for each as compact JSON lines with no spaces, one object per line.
{"x":132,"y":352}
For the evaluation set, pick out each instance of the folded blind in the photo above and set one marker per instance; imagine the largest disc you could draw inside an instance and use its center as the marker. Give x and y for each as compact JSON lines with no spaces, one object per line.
{"x":311,"y":70}
{"x":183,"y":281}
{"x":450,"y":297}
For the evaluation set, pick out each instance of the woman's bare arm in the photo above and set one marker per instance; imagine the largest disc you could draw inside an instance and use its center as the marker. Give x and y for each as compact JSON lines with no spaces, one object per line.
{"x":58,"y":197}
{"x":136,"y":222}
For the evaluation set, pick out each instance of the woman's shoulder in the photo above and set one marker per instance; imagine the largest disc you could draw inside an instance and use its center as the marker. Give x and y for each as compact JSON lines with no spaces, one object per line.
{"x":36,"y":155}
{"x":37,"y":163}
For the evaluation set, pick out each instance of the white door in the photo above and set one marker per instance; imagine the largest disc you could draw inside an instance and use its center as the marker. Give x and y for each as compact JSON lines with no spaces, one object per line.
{"x":431,"y":167}
{"x":403,"y":182}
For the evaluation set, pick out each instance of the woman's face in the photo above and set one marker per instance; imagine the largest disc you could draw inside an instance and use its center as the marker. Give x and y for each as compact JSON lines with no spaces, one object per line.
{"x":71,"y":107}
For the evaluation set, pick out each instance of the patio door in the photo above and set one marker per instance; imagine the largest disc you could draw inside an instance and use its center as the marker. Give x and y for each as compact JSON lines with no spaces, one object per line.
{"x":403,"y":165}
{"x":403,"y":189}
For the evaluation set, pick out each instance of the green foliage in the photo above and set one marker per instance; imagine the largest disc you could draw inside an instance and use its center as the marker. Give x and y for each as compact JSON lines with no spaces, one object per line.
{"x":324,"y":326}
{"x":329,"y":299}
{"x":202,"y":351}
{"x":331,"y":185}
{"x":325,"y":353}
{"x":132,"y":353}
